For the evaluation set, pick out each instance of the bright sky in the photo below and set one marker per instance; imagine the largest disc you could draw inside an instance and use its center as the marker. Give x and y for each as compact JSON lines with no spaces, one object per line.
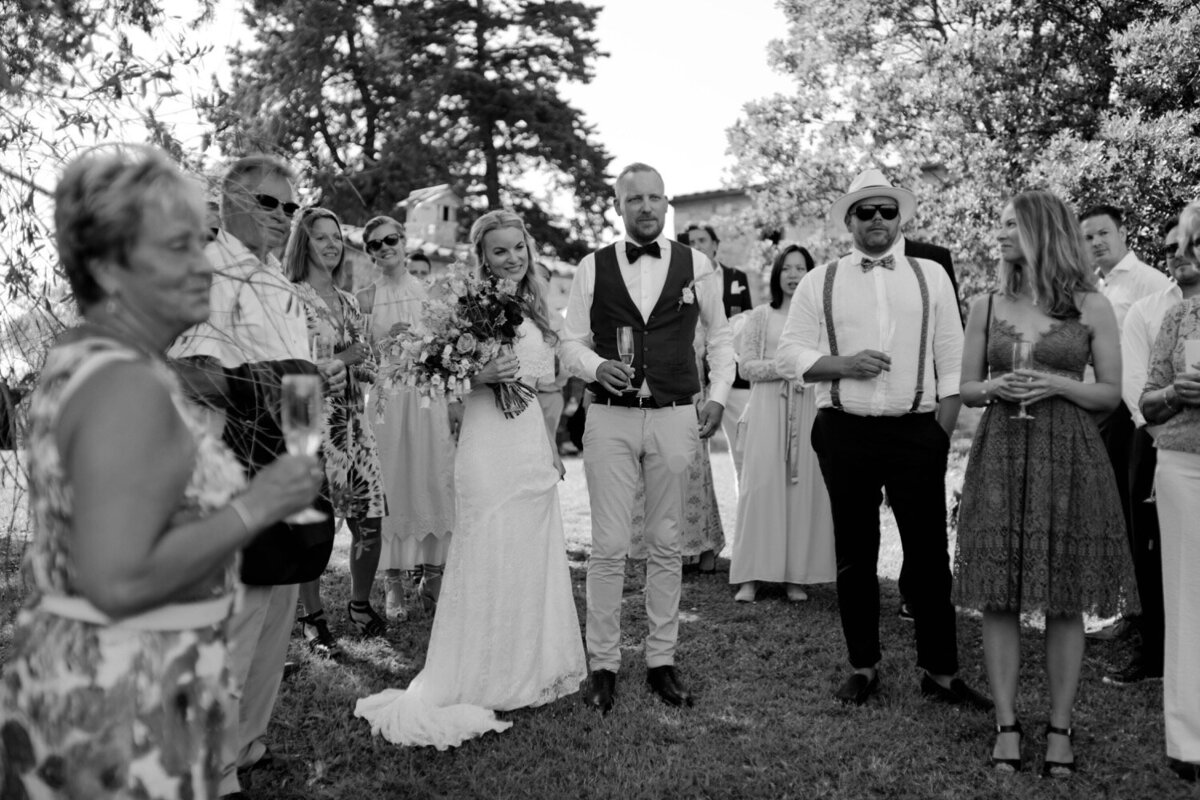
{"x":712,"y":57}
{"x":711,"y":54}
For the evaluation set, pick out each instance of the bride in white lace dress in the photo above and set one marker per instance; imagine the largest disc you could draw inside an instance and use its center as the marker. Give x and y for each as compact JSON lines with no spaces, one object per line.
{"x":506,"y":634}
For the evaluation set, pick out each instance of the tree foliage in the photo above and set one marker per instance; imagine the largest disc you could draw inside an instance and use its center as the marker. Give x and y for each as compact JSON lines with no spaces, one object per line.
{"x":1094,"y":99}
{"x":378,"y":98}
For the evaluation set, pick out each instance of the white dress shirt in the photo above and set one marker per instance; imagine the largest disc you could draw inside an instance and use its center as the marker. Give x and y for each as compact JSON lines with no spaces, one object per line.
{"x":256,"y":313}
{"x":876,"y":310}
{"x":1138,"y":333}
{"x":645,"y":280}
{"x":1129,"y":281}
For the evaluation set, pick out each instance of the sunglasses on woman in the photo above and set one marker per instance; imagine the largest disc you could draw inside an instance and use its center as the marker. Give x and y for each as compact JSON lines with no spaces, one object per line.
{"x":270,"y":202}
{"x":391,"y":240}
{"x":867,"y":213}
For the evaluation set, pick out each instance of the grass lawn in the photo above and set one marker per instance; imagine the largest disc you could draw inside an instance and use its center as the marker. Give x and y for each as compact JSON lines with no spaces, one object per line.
{"x":765,"y":725}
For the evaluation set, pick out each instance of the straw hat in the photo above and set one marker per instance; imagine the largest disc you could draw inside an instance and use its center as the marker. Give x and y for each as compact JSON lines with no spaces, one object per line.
{"x":872,"y":183}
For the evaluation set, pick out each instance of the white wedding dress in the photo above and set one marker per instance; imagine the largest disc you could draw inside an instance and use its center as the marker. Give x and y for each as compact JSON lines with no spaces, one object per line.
{"x":506,"y":634}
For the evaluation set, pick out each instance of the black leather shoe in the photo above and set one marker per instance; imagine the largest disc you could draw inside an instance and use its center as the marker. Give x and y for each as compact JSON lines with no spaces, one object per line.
{"x":664,"y":682}
{"x":601,"y":690}
{"x":857,"y":688}
{"x":958,"y":693}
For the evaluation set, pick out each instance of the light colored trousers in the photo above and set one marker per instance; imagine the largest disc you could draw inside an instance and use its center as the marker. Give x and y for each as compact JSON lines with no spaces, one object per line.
{"x":735,"y":406}
{"x":617,"y":444}
{"x":258,"y":640}
{"x":1177,"y":487}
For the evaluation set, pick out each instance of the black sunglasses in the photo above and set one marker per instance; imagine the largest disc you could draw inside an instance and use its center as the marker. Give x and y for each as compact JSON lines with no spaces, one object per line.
{"x":391,"y":240}
{"x":270,"y":202}
{"x":867,"y":213}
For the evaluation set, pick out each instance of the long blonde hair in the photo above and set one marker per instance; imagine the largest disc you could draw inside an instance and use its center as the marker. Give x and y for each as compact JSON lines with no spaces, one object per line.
{"x":1055,"y":255}
{"x":1189,"y":226}
{"x":532,"y":289}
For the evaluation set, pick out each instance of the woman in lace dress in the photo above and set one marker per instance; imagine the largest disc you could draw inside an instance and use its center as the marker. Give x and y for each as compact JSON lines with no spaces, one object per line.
{"x":1040,"y":526}
{"x":506,"y":634}
{"x":784,"y":521}
{"x":314,"y":260}
{"x":116,"y":683}
{"x":416,"y":444}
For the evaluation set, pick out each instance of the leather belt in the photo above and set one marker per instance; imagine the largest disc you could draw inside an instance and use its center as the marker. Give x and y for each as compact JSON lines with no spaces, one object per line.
{"x":639,"y":401}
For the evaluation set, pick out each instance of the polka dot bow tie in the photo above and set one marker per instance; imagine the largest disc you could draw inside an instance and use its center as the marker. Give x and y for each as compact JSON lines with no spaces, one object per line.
{"x":887,"y":262}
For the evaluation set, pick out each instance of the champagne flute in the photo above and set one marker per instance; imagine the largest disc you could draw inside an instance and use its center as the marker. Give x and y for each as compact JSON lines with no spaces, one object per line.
{"x":1022,"y":358}
{"x":625,"y":350}
{"x":322,"y":348}
{"x":300,"y":420}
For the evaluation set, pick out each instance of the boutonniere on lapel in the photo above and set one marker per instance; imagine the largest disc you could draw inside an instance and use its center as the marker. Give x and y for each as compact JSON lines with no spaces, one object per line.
{"x":688,"y":296}
{"x":735,"y":288}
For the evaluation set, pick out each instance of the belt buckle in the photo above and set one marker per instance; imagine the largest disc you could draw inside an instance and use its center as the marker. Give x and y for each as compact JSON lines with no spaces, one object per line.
{"x":641,"y":400}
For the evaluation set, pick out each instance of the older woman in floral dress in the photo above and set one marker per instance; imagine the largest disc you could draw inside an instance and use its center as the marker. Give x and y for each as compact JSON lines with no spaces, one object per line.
{"x":116,"y":683}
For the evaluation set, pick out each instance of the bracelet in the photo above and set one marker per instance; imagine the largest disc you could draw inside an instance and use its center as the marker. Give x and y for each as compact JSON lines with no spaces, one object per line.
{"x":987,"y":392}
{"x":243,"y":514}
{"x":1166,"y":398}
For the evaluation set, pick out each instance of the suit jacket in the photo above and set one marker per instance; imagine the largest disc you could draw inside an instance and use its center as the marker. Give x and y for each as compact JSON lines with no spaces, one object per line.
{"x":939,"y":254}
{"x":739,"y":300}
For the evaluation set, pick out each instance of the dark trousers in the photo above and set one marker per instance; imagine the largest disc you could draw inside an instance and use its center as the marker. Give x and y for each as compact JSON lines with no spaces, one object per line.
{"x":859,"y":456}
{"x":1147,"y":555}
{"x":1116,"y":431}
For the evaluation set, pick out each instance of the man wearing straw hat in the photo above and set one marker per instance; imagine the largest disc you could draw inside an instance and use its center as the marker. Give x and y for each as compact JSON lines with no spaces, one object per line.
{"x":879,"y":334}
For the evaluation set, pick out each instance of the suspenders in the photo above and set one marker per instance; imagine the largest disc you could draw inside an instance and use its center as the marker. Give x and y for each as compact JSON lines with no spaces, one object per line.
{"x":827,"y":301}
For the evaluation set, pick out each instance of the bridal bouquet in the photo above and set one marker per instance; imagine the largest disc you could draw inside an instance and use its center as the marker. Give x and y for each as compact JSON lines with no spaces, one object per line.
{"x":467,"y":320}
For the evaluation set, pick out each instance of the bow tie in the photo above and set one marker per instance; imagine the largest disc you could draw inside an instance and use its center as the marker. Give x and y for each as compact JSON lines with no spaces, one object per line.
{"x":887,"y":262}
{"x":633,"y":252}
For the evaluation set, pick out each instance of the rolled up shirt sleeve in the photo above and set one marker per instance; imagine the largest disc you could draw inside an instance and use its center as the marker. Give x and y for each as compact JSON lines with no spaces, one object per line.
{"x":800,"y":343}
{"x":718,"y":334}
{"x":576,"y":350}
{"x":947,"y":337}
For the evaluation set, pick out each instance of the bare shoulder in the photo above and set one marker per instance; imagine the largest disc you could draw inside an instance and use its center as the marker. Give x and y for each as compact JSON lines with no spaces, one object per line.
{"x":127,"y":401}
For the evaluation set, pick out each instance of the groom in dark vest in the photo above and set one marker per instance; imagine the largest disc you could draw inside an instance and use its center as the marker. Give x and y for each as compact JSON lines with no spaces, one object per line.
{"x":642,"y":422}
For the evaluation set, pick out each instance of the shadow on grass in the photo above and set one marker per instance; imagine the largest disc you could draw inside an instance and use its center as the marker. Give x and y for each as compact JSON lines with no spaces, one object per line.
{"x":765,"y":725}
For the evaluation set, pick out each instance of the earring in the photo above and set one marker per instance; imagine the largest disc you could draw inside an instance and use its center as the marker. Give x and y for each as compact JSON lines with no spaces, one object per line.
{"x":110,"y":306}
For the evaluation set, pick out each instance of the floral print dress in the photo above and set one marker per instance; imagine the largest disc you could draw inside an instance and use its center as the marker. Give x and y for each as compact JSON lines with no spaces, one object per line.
{"x":351,"y":455}
{"x":108,"y":711}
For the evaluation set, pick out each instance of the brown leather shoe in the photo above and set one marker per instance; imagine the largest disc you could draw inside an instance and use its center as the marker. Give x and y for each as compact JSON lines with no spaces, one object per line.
{"x":601,"y":690}
{"x":664,"y":682}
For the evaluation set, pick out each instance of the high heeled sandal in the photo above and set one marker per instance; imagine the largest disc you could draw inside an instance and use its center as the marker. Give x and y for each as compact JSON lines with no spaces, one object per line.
{"x":430,"y":587}
{"x":366,"y":620}
{"x":321,"y":641}
{"x":1059,"y":769}
{"x":1008,"y":765}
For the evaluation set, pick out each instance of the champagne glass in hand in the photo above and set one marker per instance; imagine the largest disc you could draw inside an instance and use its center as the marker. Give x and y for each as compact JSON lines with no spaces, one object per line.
{"x":1022,"y":358}
{"x":300,"y":420}
{"x":625,"y":350}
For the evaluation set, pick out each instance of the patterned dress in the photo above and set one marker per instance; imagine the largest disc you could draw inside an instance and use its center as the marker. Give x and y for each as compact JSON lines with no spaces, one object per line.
{"x":1040,"y":526}
{"x":351,"y":456}
{"x":98,"y":711}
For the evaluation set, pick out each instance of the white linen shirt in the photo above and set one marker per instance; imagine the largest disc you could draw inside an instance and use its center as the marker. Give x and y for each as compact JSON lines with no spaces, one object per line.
{"x":1129,"y":281}
{"x":1138,"y":333}
{"x":256,"y":313}
{"x":876,"y":310}
{"x":645,"y":280}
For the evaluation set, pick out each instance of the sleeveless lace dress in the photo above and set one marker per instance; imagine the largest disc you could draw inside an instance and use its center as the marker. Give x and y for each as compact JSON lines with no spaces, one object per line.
{"x":506,"y":634}
{"x":1040,"y":526}
{"x":101,"y":711}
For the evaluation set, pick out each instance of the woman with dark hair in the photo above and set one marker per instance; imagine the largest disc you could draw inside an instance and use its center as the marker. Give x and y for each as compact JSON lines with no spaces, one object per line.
{"x":117,"y":680}
{"x":1040,"y":528}
{"x":313,"y":260}
{"x":506,"y":633}
{"x":784,"y":523}
{"x":416,"y":443}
